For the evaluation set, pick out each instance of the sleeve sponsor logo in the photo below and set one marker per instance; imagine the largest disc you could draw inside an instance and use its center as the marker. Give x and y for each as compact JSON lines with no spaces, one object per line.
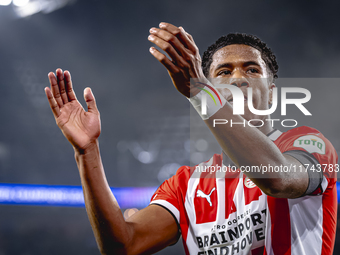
{"x":311,"y":143}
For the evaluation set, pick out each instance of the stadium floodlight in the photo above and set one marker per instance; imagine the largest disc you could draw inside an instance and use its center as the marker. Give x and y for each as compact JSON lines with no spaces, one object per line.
{"x":25,"y":8}
{"x":5,"y":2}
{"x":20,"y":3}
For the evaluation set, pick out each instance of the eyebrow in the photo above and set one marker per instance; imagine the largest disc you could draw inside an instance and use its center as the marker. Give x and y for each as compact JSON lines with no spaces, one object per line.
{"x":251,"y":63}
{"x":228,"y":65}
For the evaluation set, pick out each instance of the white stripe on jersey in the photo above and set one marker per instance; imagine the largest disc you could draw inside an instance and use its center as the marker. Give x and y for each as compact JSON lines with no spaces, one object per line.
{"x":189,"y":203}
{"x":268,"y":240}
{"x":324,"y":184}
{"x":220,"y":187}
{"x":306,"y":229}
{"x":169,"y":206}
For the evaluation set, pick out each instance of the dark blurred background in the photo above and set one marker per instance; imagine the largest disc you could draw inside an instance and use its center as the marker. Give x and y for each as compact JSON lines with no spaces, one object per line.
{"x":145,"y":121}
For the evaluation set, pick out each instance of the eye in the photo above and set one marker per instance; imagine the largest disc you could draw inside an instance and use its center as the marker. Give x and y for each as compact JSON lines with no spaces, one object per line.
{"x":253,"y":70}
{"x":224,"y":72}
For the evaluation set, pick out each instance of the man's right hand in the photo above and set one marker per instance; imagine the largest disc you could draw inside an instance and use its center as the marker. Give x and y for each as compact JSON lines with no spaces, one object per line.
{"x":81,"y":128}
{"x":184,"y":62}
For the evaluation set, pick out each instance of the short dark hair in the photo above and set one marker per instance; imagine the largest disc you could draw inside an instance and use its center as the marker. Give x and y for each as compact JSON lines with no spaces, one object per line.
{"x":241,"y":38}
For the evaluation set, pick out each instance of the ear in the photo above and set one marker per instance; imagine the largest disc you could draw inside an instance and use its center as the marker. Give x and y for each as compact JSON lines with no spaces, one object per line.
{"x":270,"y":99}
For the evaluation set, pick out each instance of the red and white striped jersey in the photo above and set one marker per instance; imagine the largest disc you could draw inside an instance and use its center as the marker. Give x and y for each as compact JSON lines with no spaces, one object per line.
{"x":224,"y":212}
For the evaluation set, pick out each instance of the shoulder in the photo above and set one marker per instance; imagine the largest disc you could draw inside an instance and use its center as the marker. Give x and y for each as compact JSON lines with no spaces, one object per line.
{"x":298,"y":131}
{"x":306,"y":138}
{"x":176,"y":186}
{"x":312,"y":141}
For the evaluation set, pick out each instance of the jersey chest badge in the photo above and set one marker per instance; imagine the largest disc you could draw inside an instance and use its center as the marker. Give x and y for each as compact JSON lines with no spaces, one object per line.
{"x":249,"y":183}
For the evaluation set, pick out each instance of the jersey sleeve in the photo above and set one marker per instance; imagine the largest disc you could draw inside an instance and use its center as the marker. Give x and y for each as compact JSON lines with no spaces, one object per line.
{"x":169,"y":194}
{"x":315,"y":152}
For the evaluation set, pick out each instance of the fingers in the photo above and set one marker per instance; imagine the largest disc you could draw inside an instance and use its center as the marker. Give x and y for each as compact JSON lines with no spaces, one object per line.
{"x":53,"y":103}
{"x":189,"y":37}
{"x":61,"y":83}
{"x":164,"y":60}
{"x":168,"y":48}
{"x":168,"y":39}
{"x":69,"y":89}
{"x":177,"y":43}
{"x":90,"y":101}
{"x":55,"y":89}
{"x":180,"y":34}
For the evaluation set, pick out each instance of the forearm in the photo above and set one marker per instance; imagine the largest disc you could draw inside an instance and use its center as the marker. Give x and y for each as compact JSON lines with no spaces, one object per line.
{"x":248,"y":146}
{"x":109,"y":227}
{"x":245,"y":145}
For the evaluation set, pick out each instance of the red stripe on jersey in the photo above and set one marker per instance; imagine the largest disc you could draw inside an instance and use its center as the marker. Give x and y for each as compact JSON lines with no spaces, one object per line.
{"x":258,"y":251}
{"x":329,"y":212}
{"x":205,"y":200}
{"x":250,"y":194}
{"x":264,"y":251}
{"x":280,"y":225}
{"x":184,"y":224}
{"x":230,"y":184}
{"x":217,"y":160}
{"x":233,"y":208}
{"x":185,"y":247}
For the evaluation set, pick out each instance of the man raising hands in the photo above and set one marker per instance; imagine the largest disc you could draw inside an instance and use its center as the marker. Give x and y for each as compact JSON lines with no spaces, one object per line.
{"x":283,"y":200}
{"x":216,"y":214}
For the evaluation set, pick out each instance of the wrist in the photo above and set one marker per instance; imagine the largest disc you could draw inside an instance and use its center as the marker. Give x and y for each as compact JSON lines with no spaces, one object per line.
{"x":194,"y":92}
{"x":90,"y":148}
{"x":207,"y":101}
{"x":196,"y":85}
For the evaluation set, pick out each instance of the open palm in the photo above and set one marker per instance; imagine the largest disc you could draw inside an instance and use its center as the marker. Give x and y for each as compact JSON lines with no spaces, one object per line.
{"x":78,"y":126}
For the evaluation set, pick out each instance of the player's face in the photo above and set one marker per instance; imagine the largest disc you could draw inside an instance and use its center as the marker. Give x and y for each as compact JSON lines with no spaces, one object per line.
{"x":242,"y":65}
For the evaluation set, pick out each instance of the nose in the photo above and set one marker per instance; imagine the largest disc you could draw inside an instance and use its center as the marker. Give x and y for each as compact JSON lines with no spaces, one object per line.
{"x":238,"y":79}
{"x":237,"y":74}
{"x":240,"y":83}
